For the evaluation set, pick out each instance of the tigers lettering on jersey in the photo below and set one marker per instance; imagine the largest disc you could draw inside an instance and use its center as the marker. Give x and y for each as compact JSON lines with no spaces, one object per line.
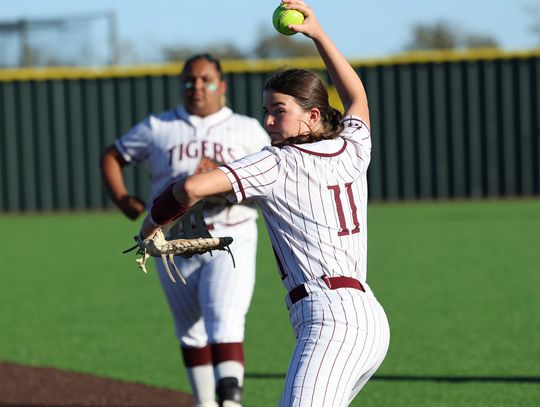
{"x":202,"y":148}
{"x":173,"y":143}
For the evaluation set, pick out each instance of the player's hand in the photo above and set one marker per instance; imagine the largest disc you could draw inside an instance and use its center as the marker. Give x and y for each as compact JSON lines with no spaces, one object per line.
{"x":310,"y":27}
{"x":205,"y":165}
{"x":131,"y":206}
{"x":148,"y":228}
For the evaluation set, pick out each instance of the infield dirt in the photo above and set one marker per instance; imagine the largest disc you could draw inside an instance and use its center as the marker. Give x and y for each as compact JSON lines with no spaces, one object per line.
{"x":27,"y":386}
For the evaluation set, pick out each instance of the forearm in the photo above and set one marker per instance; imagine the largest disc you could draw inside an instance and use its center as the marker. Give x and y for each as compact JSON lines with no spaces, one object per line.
{"x":174,"y":201}
{"x":113,"y":177}
{"x":348,"y":84}
{"x":199,"y":186}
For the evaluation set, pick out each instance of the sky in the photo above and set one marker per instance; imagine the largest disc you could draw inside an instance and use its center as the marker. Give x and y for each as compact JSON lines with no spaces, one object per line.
{"x":361,"y":29}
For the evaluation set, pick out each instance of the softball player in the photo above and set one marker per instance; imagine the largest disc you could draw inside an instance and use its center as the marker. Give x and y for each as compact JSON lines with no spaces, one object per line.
{"x":209,"y":311}
{"x":311,"y":186}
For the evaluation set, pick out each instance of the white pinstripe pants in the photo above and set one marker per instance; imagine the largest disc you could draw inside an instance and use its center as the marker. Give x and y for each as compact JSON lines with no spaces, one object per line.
{"x":342,"y":338}
{"x":212,"y":306}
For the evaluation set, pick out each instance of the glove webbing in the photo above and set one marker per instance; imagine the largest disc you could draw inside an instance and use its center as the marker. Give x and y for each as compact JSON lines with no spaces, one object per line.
{"x":194,"y":238}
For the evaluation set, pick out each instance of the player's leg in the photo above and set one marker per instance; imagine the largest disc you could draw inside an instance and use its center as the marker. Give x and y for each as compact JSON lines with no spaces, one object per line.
{"x":381,"y":339}
{"x":200,"y":372}
{"x":190,"y":330}
{"x":229,"y":370}
{"x":339,"y":338}
{"x":225,"y":297}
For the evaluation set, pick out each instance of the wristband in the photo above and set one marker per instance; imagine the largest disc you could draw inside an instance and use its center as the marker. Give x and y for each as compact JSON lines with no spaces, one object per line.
{"x":166,"y":208}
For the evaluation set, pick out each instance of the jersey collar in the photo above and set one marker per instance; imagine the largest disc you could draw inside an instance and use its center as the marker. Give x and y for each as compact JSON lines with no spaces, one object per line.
{"x":221,"y":115}
{"x":323,"y":148}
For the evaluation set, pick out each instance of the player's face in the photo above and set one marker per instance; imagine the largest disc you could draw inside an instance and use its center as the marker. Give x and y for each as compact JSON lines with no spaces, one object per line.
{"x":204,"y":91}
{"x":284,"y":118}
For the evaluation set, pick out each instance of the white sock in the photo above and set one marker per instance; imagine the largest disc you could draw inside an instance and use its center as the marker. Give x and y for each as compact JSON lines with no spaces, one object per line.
{"x":230,"y":368}
{"x":202,"y":382}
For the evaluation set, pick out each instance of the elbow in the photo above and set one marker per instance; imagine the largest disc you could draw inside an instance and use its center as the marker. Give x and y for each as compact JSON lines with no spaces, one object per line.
{"x":109,"y":158}
{"x":186,"y":192}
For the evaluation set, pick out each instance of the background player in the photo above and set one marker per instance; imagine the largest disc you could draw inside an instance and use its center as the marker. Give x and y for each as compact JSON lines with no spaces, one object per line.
{"x":311,"y":186}
{"x":209,"y":312}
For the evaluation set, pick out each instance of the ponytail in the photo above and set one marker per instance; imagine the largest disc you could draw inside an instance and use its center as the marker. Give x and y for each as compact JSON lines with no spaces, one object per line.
{"x":333,"y":125}
{"x":332,"y":129}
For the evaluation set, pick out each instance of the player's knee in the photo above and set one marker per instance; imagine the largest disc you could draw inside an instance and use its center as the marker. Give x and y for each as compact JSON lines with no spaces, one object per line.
{"x":220,"y":331}
{"x":229,"y":392}
{"x":218,"y":337}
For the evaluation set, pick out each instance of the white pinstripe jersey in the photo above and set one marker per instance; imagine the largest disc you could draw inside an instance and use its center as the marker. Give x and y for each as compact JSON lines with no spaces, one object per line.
{"x":173,"y":142}
{"x":314,"y":200}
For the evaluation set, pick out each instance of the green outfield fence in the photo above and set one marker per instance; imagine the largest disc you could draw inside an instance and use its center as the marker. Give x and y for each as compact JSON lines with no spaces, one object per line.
{"x":450,"y":125}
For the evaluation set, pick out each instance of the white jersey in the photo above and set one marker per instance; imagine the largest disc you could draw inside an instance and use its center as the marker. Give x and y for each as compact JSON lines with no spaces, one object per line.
{"x":314,"y":200}
{"x":172,"y":144}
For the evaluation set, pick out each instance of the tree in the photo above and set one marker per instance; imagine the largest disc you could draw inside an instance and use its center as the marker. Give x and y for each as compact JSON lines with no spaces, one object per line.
{"x":437,"y":36}
{"x":444,"y":35}
{"x":533,"y":11}
{"x":480,"y":41}
{"x":269,"y":44}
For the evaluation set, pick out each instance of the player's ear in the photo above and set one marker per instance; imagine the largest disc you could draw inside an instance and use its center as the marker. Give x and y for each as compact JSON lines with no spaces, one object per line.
{"x":314,"y":115}
{"x":222,"y":86}
{"x":222,"y":90}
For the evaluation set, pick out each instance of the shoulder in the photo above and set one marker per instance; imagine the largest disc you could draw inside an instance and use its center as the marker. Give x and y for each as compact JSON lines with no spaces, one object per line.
{"x":354,"y":122}
{"x":265,"y":161}
{"x":267,"y":153}
{"x":353,"y":126}
{"x":276,"y":151}
{"x":164,"y":117}
{"x":165,"y":121}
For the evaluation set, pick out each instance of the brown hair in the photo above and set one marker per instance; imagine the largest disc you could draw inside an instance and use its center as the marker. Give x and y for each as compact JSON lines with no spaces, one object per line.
{"x":308,"y":91}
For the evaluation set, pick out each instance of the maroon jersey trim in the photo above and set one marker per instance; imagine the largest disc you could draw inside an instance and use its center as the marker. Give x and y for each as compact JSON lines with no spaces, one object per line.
{"x":342,"y":149}
{"x":347,"y":121}
{"x":237,"y":178}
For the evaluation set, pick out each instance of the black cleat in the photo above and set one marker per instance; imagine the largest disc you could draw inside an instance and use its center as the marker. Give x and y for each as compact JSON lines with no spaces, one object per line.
{"x":229,"y":392}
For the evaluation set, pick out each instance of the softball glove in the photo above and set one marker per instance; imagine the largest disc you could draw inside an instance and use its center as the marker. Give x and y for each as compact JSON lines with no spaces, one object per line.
{"x":191,"y":236}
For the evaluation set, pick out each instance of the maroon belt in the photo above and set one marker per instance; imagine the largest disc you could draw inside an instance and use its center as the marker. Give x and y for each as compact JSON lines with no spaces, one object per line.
{"x":333,"y":283}
{"x":210,"y":226}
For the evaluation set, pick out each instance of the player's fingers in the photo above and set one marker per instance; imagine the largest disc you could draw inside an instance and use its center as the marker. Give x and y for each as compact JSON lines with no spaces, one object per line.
{"x":294,"y":2}
{"x":309,"y":15}
{"x":131,"y":214}
{"x":298,"y":5}
{"x":305,"y":10}
{"x":310,"y":26}
{"x":132,"y":209}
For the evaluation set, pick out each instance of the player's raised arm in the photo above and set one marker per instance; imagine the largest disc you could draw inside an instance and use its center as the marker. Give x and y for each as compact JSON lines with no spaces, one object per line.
{"x":348,"y":85}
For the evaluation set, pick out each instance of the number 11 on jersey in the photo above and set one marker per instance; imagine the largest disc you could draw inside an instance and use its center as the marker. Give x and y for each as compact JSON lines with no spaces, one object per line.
{"x":336,"y":189}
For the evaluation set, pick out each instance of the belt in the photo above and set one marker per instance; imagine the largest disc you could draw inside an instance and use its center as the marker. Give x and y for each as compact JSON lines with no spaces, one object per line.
{"x":333,"y":283}
{"x":211,"y":226}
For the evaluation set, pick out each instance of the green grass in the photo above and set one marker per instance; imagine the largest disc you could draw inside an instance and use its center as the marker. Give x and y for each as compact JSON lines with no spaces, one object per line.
{"x":459,"y":281}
